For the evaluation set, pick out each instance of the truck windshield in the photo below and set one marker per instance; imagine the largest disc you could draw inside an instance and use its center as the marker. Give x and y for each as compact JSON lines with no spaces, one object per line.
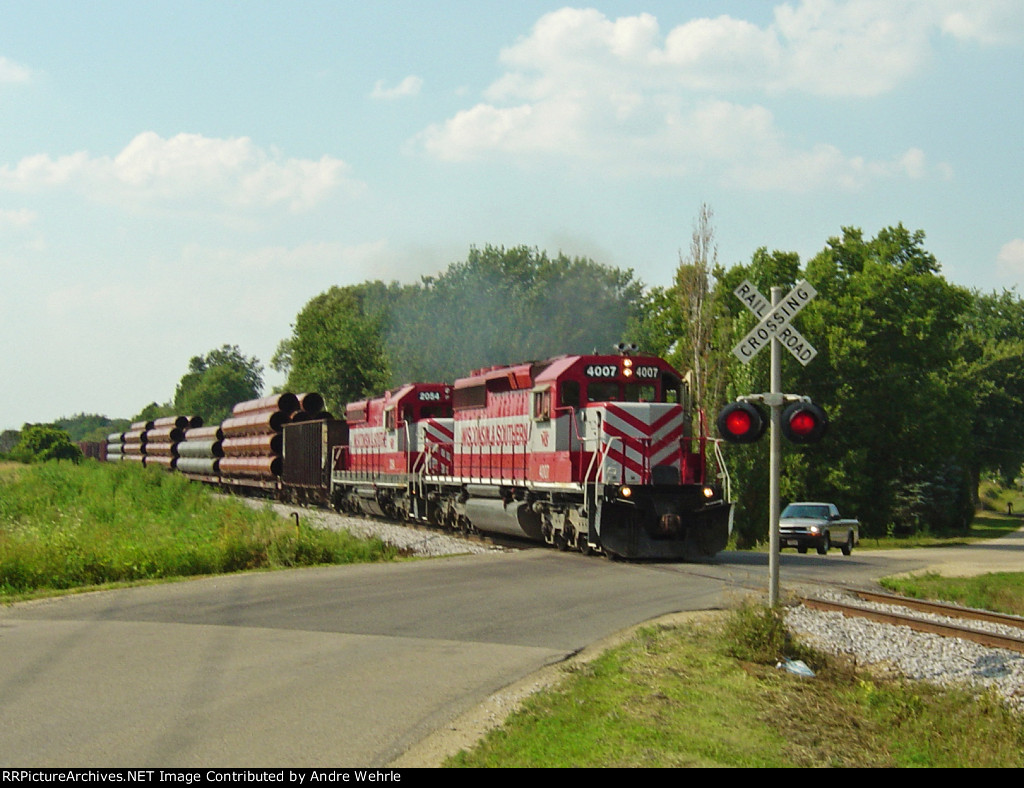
{"x":803,"y":510}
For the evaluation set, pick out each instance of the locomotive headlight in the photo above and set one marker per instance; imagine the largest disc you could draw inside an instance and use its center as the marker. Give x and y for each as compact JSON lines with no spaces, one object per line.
{"x":627,"y":367}
{"x":626,"y":491}
{"x":709,"y":492}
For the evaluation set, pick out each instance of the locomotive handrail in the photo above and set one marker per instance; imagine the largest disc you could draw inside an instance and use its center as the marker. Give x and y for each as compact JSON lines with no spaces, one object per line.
{"x":606,"y":446}
{"x":423,"y":461}
{"x":703,"y":427}
{"x":575,"y":431}
{"x":723,"y":470}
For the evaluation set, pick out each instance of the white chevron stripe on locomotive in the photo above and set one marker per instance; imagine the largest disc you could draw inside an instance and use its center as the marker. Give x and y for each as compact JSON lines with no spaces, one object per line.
{"x":648,"y":434}
{"x":441,"y":435}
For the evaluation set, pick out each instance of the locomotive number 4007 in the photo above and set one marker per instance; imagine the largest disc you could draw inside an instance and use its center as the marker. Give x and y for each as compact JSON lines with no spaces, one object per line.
{"x":613,"y":371}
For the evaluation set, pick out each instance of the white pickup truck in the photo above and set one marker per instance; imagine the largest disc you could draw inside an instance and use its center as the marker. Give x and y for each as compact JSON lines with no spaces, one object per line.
{"x":819,"y":525}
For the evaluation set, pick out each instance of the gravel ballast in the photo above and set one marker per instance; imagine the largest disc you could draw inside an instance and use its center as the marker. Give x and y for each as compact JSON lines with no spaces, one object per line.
{"x":421,"y":542}
{"x":915,"y":655}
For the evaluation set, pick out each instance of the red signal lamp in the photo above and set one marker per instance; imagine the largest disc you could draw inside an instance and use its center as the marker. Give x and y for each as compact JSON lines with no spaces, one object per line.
{"x":741,"y":422}
{"x":804,"y":422}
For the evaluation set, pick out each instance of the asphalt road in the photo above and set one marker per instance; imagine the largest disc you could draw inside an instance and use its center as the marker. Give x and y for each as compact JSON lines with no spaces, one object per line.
{"x":336,"y":666}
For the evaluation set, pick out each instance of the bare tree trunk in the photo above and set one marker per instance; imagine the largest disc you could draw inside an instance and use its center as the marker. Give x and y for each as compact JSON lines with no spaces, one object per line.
{"x":693,"y":280}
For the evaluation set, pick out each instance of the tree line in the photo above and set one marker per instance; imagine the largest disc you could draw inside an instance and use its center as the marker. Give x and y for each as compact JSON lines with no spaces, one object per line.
{"x":923,"y":380}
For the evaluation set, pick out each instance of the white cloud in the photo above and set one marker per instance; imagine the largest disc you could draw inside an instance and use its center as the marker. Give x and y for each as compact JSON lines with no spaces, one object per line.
{"x":189,"y":170}
{"x":13,"y":72}
{"x":17,"y":217}
{"x":410,"y":86}
{"x":991,"y":22}
{"x":617,"y":91}
{"x":1010,"y":260}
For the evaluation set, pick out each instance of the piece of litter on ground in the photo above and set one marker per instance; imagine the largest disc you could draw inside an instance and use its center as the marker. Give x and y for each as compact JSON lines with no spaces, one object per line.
{"x":797,"y":666}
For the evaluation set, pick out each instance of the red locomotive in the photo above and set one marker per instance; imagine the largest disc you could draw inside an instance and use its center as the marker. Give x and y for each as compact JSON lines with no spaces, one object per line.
{"x":593,"y":453}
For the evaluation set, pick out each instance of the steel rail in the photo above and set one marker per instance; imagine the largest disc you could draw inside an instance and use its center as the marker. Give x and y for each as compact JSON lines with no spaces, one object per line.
{"x":983,"y":637}
{"x":943,"y":608}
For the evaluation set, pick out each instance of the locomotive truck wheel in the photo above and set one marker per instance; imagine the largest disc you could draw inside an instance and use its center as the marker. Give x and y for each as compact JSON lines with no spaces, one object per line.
{"x":847,"y":548}
{"x":825,"y":545}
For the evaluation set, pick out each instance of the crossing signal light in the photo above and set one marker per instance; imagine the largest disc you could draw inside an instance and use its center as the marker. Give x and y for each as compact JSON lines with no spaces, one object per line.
{"x":741,"y":422}
{"x":804,"y":422}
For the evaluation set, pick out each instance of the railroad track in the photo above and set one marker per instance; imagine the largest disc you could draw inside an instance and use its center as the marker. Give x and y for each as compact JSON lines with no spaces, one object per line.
{"x":960,"y":622}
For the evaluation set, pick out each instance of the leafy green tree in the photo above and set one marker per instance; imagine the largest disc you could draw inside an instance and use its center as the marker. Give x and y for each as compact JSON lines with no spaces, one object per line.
{"x":216,"y":382}
{"x":886,"y":324}
{"x":42,"y":442}
{"x":153,"y":411}
{"x":506,"y":305}
{"x":499,"y":306}
{"x":337,"y":347}
{"x":991,"y":371}
{"x":90,"y":426}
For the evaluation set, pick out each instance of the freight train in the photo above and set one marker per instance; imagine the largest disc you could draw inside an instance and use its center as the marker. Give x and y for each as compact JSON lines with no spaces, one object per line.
{"x":597,"y":453}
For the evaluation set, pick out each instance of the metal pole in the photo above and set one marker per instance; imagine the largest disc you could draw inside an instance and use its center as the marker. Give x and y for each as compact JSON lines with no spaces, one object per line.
{"x":774,"y":463}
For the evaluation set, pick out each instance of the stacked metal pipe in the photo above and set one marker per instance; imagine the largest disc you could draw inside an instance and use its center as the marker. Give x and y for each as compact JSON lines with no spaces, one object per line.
{"x":115,"y":446}
{"x":134,"y":447}
{"x":163,"y":438}
{"x":200,"y":452}
{"x":252,"y":436}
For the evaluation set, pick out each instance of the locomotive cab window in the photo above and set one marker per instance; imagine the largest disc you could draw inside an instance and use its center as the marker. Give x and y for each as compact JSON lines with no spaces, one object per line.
{"x":671,"y":389}
{"x":603,"y":391}
{"x":569,"y":394}
{"x":641,"y":392}
{"x":542,"y":405}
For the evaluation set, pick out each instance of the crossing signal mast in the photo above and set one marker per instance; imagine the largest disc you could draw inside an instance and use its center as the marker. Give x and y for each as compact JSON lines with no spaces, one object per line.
{"x":792,"y":415}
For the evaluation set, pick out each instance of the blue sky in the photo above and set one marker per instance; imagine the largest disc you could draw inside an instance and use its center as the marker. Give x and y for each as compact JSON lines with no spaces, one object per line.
{"x":177,"y":176}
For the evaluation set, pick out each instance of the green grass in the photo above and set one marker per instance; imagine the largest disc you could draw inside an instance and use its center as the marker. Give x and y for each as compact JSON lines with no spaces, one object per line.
{"x":995,"y":497}
{"x":708,"y":694}
{"x":999,"y":591}
{"x":65,"y":526}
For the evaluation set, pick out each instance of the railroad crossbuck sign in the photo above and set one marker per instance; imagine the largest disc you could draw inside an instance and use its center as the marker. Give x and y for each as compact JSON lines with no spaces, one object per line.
{"x":775,"y":322}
